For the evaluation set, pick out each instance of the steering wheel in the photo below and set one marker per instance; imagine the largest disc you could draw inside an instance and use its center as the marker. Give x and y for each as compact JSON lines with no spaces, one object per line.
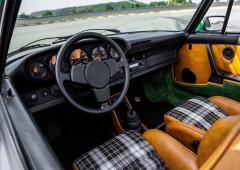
{"x":96,"y":74}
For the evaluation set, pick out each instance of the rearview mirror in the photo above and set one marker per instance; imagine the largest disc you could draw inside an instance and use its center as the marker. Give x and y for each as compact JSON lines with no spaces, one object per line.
{"x":212,"y":24}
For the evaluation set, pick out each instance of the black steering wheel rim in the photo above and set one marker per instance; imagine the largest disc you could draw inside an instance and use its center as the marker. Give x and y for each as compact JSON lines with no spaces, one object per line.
{"x":60,"y":75}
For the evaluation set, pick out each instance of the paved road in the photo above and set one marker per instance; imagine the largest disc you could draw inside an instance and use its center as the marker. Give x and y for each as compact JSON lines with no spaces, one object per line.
{"x":166,"y":20}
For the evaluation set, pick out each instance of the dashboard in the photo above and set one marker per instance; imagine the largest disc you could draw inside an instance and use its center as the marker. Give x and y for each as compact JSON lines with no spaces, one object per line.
{"x":43,"y":67}
{"x":33,"y":74}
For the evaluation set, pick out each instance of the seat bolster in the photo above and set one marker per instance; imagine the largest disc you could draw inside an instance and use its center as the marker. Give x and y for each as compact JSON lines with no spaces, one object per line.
{"x":185,"y":133}
{"x":230,"y":106}
{"x":175,"y":155}
{"x":169,"y":119}
{"x":75,"y":167}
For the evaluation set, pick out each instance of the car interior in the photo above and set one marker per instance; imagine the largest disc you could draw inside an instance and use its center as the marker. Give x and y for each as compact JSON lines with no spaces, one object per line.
{"x":179,"y":91}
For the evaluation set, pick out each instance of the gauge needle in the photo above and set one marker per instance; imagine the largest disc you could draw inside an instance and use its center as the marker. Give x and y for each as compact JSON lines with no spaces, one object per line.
{"x":35,"y":69}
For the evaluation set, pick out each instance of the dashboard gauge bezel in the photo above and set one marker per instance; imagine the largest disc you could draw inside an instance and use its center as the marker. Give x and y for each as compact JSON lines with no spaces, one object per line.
{"x":82,"y":60}
{"x":110,"y":52}
{"x":101,"y":58}
{"x":44,"y":72}
{"x":51,"y":65}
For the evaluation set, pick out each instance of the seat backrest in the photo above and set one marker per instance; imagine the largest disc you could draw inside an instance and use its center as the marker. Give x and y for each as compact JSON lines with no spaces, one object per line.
{"x":220,"y":147}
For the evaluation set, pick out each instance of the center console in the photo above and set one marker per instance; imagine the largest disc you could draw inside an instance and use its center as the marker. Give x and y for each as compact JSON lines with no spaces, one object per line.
{"x":125,"y":118}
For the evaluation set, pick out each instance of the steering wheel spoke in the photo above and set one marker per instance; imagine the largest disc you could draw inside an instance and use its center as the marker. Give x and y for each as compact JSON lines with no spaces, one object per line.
{"x":102,"y":95}
{"x":77,"y":74}
{"x":113,"y":66}
{"x":65,"y":77}
{"x":121,"y":63}
{"x":95,"y":74}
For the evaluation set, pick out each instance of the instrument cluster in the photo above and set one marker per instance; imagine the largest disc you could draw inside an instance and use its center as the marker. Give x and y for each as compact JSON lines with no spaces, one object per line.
{"x":43,"y":68}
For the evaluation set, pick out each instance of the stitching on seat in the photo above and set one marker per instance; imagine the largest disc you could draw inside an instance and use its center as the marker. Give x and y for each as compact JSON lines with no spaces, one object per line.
{"x":189,"y":127}
{"x":172,"y":140}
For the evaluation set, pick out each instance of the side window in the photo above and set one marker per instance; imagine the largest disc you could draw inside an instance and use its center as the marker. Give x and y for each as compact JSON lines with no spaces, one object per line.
{"x":214,"y":18}
{"x":234,"y":20}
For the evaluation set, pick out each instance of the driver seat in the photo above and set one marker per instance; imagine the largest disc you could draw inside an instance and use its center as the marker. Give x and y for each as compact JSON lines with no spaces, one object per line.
{"x":219,"y":149}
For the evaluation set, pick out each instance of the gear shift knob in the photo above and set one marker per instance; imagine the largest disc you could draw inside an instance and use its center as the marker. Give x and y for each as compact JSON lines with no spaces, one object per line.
{"x":134,"y":121}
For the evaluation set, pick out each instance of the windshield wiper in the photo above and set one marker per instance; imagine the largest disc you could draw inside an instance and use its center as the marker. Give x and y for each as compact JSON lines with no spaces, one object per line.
{"x":32,"y":45}
{"x":69,"y":36}
{"x":58,"y":40}
{"x":27,"y":48}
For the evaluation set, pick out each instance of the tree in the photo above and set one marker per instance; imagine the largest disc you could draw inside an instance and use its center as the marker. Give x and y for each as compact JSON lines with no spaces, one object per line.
{"x":47,"y":14}
{"x":190,"y":2}
{"x":109,"y":7}
{"x":23,"y":15}
{"x":137,"y":5}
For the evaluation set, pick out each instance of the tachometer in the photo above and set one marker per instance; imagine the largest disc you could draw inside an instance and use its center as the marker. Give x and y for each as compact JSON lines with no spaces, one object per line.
{"x":52,"y":63}
{"x":37,"y":70}
{"x":78,"y":56}
{"x":99,"y":54}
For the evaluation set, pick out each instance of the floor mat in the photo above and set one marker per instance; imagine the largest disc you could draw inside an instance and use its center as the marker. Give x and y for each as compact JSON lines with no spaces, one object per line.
{"x":79,"y":133}
{"x":160,"y":87}
{"x":151,"y":113}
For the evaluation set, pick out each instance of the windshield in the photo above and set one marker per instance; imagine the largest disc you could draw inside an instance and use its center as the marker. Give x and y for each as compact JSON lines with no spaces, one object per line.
{"x":43,"y":18}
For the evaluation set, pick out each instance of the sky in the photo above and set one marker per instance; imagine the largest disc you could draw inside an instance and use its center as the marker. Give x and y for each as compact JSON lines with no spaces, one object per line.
{"x":29,"y":6}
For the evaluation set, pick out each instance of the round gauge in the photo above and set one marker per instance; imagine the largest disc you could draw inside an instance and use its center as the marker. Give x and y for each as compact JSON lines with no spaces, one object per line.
{"x":52,"y":63}
{"x":99,"y":54}
{"x":37,"y":70}
{"x":78,"y":56}
{"x":113,"y":53}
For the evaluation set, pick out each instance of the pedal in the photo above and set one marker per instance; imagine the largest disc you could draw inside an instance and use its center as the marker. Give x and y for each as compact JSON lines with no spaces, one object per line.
{"x":137,"y":99}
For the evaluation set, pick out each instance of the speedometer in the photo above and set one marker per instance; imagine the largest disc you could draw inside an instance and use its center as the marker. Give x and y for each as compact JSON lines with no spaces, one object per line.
{"x":78,"y":56}
{"x":99,"y":54}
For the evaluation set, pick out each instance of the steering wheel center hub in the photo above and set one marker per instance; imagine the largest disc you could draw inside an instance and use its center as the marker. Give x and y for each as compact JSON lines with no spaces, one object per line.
{"x":97,"y":74}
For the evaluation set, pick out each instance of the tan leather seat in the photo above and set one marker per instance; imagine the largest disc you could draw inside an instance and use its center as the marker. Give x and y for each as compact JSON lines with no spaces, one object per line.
{"x":219,"y":148}
{"x":189,"y":134}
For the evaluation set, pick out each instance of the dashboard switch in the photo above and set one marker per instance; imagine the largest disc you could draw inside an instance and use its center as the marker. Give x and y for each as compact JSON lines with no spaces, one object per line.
{"x":45,"y":93}
{"x":34,"y":97}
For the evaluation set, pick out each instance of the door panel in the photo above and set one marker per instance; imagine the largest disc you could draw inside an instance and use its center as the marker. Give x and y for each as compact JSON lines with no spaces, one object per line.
{"x":229,"y":62}
{"x":193,"y":57}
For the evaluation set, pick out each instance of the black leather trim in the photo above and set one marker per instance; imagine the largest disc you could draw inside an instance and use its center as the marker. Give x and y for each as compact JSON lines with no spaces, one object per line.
{"x":38,"y":153}
{"x":214,"y":38}
{"x":216,"y":76}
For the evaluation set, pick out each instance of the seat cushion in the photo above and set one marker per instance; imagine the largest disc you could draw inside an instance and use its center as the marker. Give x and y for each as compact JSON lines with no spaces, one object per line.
{"x":199,"y":112}
{"x":126,"y":151}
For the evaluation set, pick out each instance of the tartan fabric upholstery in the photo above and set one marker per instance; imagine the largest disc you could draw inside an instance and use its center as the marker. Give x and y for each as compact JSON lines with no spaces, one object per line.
{"x":128,"y":151}
{"x":199,"y":112}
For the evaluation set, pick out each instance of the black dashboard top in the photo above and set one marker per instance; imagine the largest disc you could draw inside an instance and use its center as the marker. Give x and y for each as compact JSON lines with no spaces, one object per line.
{"x":33,"y":72}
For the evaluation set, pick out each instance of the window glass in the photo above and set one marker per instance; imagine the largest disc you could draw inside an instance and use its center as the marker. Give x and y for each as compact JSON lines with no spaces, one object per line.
{"x":234,"y":20}
{"x":38,"y":19}
{"x":214,"y":18}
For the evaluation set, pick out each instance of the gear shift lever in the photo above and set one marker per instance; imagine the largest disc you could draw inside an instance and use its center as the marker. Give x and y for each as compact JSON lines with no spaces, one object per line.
{"x":134,"y":121}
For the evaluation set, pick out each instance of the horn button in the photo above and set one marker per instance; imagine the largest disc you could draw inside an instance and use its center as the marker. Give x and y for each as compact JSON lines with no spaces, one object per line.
{"x":97,"y":74}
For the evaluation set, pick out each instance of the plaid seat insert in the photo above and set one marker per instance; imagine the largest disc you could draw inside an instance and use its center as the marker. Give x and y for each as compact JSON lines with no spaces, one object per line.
{"x":199,"y":112}
{"x":128,"y":151}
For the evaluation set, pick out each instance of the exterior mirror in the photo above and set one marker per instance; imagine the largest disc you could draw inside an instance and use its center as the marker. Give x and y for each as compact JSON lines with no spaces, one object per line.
{"x":211,"y":24}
